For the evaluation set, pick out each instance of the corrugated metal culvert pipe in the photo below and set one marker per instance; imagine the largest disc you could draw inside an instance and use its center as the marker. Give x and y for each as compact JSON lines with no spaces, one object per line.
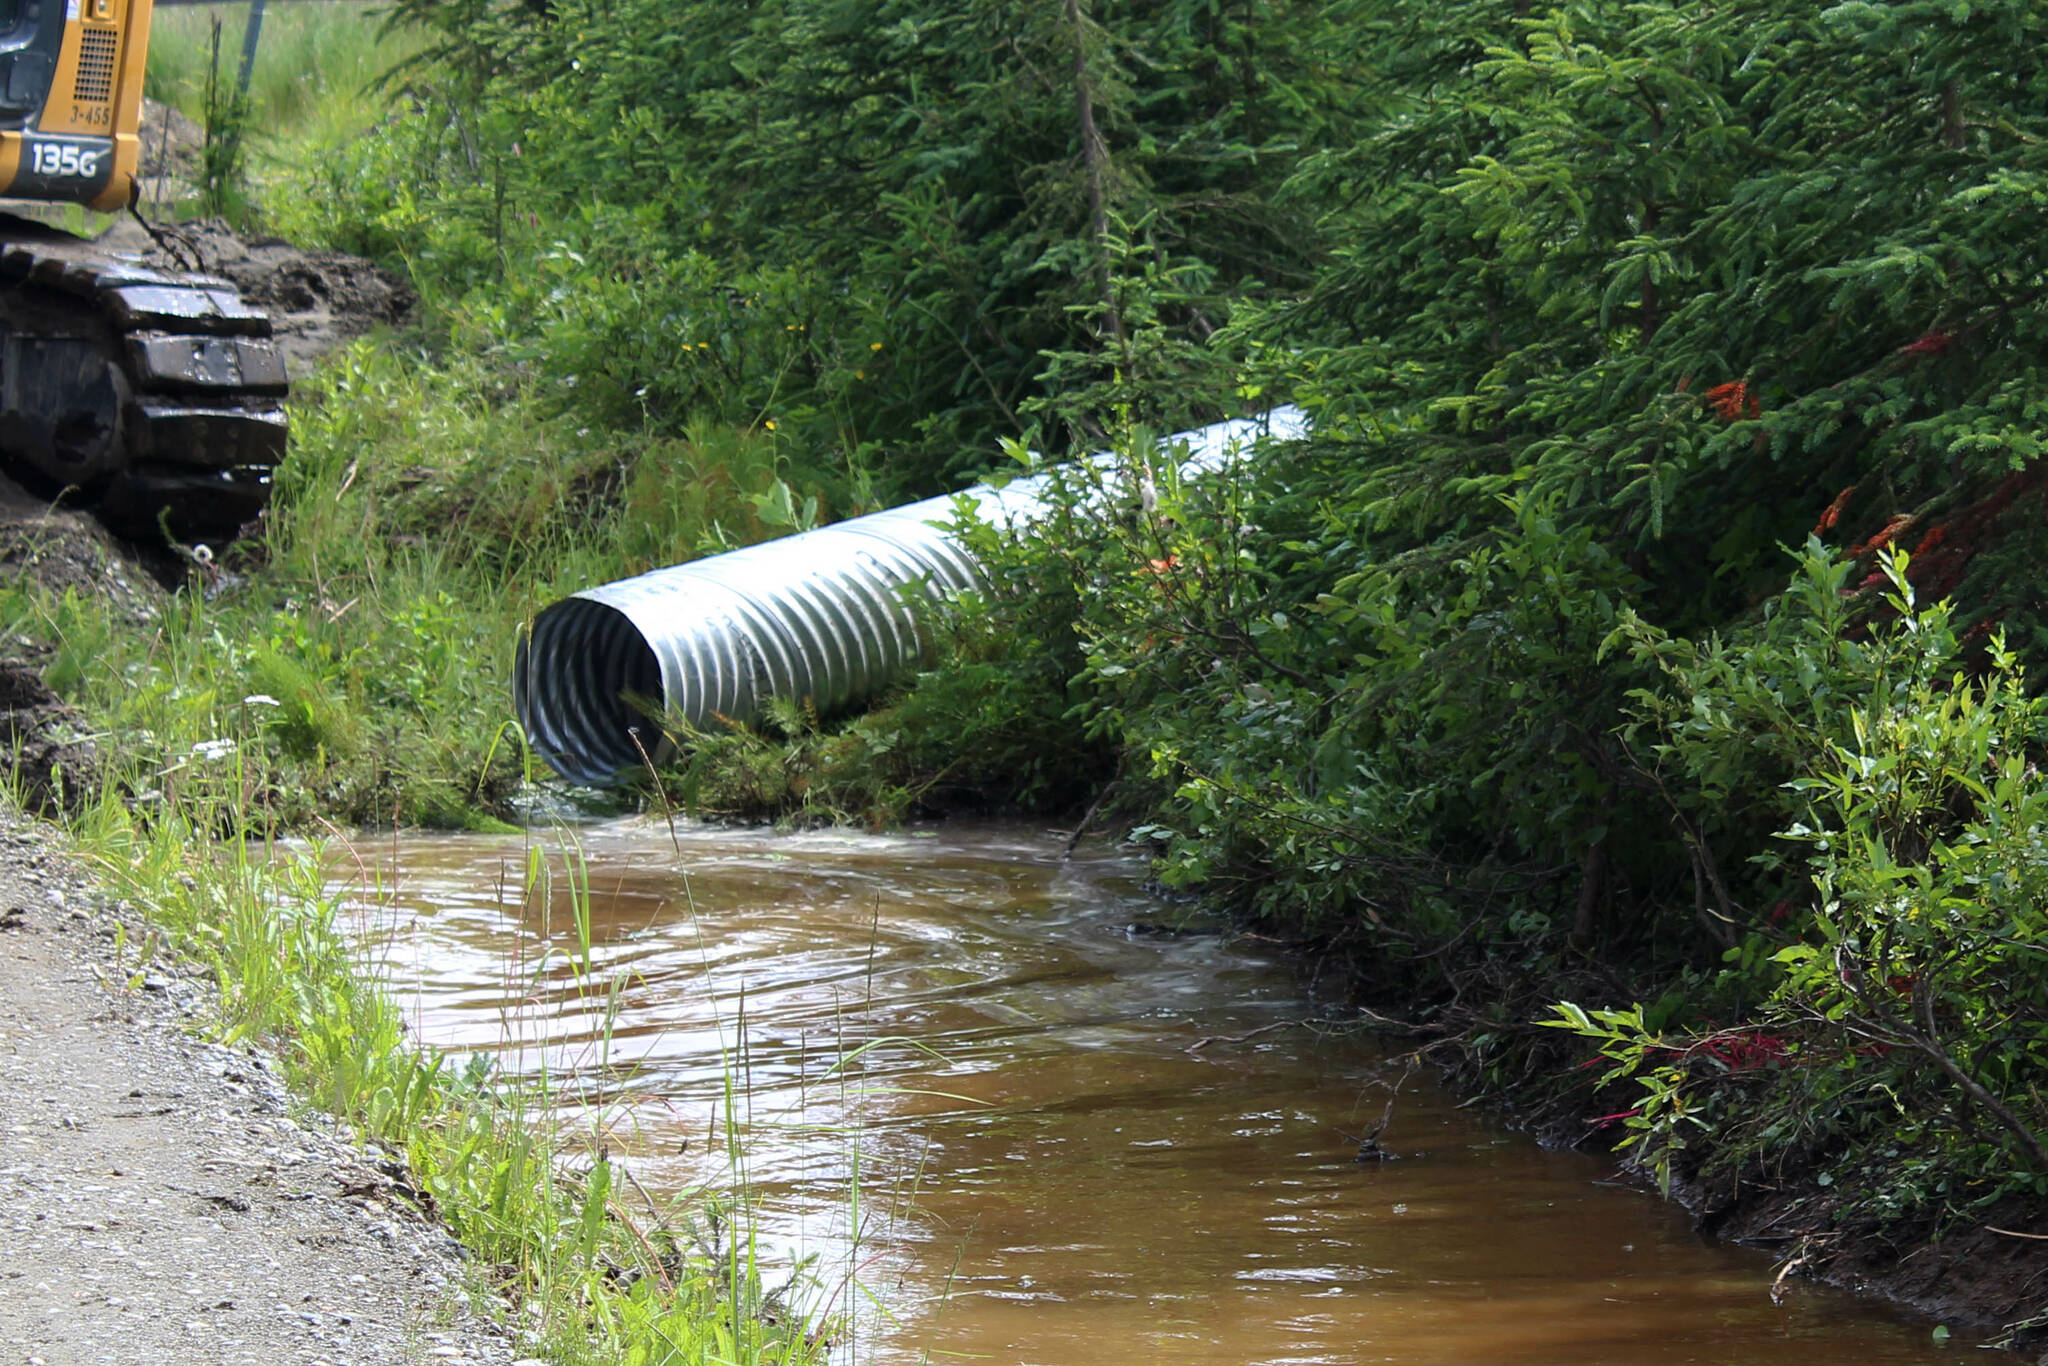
{"x":826,"y":615}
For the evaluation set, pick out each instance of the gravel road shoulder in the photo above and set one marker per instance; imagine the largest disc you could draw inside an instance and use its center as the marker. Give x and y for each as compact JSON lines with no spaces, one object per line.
{"x":159,"y":1198}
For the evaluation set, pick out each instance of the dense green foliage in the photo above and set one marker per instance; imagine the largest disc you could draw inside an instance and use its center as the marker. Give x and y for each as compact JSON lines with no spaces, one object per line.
{"x":877,"y":224}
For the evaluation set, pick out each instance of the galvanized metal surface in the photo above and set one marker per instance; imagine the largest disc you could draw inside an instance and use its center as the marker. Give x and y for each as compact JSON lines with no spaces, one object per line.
{"x":827,"y":615}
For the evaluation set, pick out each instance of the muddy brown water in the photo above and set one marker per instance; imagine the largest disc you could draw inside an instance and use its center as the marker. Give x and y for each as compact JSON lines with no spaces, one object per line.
{"x":1004,"y":1128}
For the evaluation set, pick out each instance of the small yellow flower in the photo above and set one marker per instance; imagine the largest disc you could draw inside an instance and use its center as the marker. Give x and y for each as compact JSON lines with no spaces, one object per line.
{"x":771,"y":425}
{"x":860,"y":374}
{"x":874,"y":346}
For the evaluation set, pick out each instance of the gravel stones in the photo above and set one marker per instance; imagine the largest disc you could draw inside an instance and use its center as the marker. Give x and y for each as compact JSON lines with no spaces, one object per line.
{"x":159,"y":1201}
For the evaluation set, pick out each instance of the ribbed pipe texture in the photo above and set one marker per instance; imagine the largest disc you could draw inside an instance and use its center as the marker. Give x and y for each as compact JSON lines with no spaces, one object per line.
{"x":826,"y":615}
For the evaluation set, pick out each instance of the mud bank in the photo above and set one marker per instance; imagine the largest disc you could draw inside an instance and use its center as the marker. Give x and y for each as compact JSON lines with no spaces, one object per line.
{"x":1987,"y":1273}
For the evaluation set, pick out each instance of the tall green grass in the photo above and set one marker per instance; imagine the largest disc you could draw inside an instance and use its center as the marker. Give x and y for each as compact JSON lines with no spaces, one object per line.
{"x":318,"y":66}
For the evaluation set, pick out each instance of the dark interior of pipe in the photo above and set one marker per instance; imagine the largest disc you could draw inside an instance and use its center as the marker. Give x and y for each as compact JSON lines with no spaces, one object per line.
{"x":578,"y":678}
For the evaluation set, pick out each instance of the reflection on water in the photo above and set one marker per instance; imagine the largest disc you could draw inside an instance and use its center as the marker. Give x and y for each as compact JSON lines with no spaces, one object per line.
{"x":992,"y":1113}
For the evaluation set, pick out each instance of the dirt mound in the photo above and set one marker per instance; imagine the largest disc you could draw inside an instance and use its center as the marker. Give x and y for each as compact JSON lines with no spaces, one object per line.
{"x":67,"y":550}
{"x":317,"y":300}
{"x":170,"y":146}
{"x":43,"y":744}
{"x":53,"y":763}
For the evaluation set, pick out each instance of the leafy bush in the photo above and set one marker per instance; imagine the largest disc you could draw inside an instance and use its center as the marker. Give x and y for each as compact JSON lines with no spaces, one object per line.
{"x":1912,"y":987}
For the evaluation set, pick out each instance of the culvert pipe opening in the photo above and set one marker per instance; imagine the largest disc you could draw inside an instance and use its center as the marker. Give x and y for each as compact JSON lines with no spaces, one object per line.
{"x":582,"y":677}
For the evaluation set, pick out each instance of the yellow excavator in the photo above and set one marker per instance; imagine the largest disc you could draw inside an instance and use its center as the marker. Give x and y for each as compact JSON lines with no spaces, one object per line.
{"x":154,"y":396}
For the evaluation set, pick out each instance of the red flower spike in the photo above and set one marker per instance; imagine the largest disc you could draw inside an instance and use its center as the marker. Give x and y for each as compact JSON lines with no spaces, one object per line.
{"x":1834,"y":510}
{"x":1934,"y":343}
{"x":1882,"y":538}
{"x":1744,"y":1050}
{"x":1619,"y":1114}
{"x":1732,"y":400}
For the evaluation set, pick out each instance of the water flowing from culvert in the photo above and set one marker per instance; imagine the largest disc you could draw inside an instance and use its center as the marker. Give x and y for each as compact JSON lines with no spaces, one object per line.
{"x":1049,"y":1169}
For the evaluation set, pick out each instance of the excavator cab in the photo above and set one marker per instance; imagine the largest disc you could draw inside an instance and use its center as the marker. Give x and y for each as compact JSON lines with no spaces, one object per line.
{"x":71,"y":99}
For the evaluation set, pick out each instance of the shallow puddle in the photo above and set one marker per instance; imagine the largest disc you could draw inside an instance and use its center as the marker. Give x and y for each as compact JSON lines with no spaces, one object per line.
{"x":1012,"y":1130}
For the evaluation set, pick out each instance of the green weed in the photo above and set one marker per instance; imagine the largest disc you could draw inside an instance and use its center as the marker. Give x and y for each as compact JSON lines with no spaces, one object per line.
{"x":225,"y":110}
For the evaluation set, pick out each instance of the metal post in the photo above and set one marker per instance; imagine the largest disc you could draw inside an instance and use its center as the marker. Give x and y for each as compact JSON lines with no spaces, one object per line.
{"x":250,"y":36}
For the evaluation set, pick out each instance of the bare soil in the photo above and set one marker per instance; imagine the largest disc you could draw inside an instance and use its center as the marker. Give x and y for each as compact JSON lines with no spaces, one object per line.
{"x":160,"y":1200}
{"x":171,"y":144}
{"x":66,"y":550}
{"x":56,"y":764}
{"x":316,"y":300}
{"x":51,"y":756}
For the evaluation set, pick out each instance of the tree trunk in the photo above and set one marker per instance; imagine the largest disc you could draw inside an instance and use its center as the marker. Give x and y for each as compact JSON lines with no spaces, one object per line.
{"x":1095,"y":166}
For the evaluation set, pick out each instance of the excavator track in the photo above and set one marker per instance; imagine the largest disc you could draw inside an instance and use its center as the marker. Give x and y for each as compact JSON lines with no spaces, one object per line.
{"x":156,"y":397}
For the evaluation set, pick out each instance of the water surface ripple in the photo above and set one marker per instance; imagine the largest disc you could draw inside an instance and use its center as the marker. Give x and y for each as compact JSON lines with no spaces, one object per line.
{"x":977,"y":1098}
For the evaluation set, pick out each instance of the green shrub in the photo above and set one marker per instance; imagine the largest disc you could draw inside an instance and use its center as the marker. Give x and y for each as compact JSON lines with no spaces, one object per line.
{"x":1907,"y":994}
